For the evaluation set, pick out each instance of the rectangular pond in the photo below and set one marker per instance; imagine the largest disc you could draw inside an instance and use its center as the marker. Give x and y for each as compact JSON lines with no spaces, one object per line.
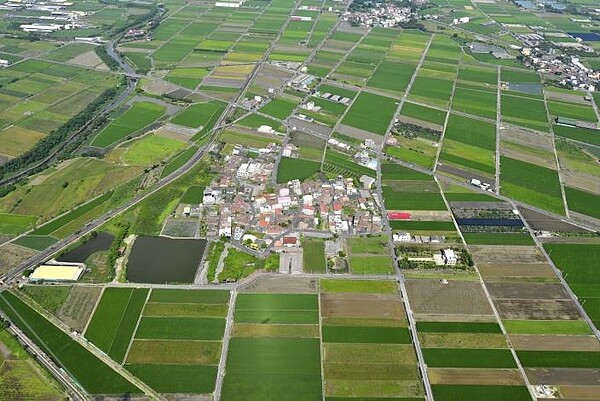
{"x":160,"y":260}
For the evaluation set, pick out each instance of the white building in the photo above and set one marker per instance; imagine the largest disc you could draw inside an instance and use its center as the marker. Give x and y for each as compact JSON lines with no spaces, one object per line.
{"x":449,"y":257}
{"x":402,"y":237}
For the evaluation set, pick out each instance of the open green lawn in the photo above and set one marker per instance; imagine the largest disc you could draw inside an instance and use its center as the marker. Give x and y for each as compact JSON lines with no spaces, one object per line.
{"x":151,"y":149}
{"x":51,"y":297}
{"x":301,"y":169}
{"x":371,"y":264}
{"x":15,"y":224}
{"x":371,"y":113}
{"x":314,"y":255}
{"x":115,"y":319}
{"x":138,"y":116}
{"x":94,"y":375}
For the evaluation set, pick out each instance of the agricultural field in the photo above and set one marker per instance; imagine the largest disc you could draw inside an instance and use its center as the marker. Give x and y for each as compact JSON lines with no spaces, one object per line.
{"x":269,"y":331}
{"x":177,"y":344}
{"x":138,"y":116}
{"x":115,"y":320}
{"x":94,"y":375}
{"x":406,"y":189}
{"x":535,"y":185}
{"x":576,"y":262}
{"x":301,"y":169}
{"x":363,"y":323}
{"x":370,"y":255}
{"x":371,"y":113}
{"x":39,"y":96}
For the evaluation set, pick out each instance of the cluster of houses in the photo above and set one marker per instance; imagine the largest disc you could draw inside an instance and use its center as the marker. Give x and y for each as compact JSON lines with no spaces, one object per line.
{"x":385,"y":15}
{"x":406,"y":237}
{"x":559,"y":60}
{"x":45,"y":16}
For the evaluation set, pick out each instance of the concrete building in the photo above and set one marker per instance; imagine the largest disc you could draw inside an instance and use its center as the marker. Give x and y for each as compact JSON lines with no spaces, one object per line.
{"x":449,"y":257}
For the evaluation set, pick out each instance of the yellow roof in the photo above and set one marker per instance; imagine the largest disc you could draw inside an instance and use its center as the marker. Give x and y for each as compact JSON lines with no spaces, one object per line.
{"x":56,"y":273}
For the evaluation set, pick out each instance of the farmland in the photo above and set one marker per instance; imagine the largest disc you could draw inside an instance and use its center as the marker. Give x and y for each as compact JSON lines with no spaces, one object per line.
{"x":371,"y":113}
{"x":176,"y":347}
{"x":140,"y":115}
{"x":258,"y":367}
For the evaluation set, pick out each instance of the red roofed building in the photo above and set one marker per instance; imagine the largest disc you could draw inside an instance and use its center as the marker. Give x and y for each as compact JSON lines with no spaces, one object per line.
{"x":398,"y":216}
{"x":290,"y":241}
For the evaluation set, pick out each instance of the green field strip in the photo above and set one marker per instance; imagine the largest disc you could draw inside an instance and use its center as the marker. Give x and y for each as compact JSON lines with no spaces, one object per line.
{"x":189,"y":296}
{"x":362,"y":335}
{"x":453,"y":392}
{"x":180,"y":328}
{"x":277,"y":302}
{"x":396,"y":172}
{"x":372,"y":399}
{"x":194,"y":379}
{"x":468,"y":358}
{"x":90,"y":372}
{"x":115,"y":319}
{"x":458,"y":327}
{"x":559,"y":359}
{"x":416,"y":225}
{"x":412,"y":200}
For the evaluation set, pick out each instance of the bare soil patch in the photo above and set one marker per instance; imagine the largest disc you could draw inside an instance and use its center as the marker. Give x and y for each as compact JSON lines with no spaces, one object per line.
{"x":275,"y":330}
{"x":89,"y":59}
{"x":361,"y":306}
{"x":581,"y":393}
{"x":576,"y":377}
{"x":516,"y":271}
{"x":279,"y":284}
{"x":537,"y":309}
{"x":509,"y":254}
{"x":467,"y":175}
{"x":530,"y":157}
{"x":78,"y":306}
{"x":431,"y":297}
{"x":527,"y":291}
{"x":528,"y":138}
{"x":553,"y":343}
{"x":12,"y":255}
{"x":463,"y":340}
{"x":359,"y":133}
{"x":504,"y":377}
{"x":421,"y":123}
{"x":542,"y":222}
{"x":582,"y":181}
